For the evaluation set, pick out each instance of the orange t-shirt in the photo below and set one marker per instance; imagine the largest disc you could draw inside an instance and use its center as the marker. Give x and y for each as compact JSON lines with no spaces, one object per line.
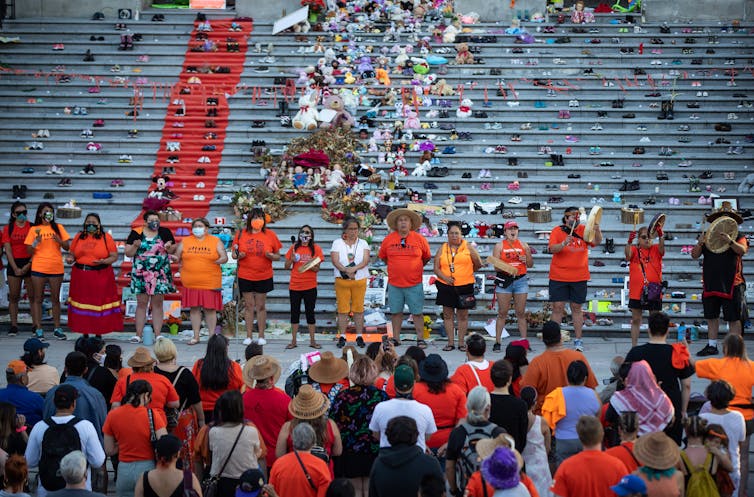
{"x":387,"y":385}
{"x":547,"y":371}
{"x":308,"y":279}
{"x":740,"y":374}
{"x":47,"y":258}
{"x":289,"y":479}
{"x":465,"y":378}
{"x":16,"y":240}
{"x":624,"y":452}
{"x":589,"y":473}
{"x":572,"y":263}
{"x":652,"y":260}
{"x":447,"y":408}
{"x":405,"y":264}
{"x":162,"y":389}
{"x":474,"y":486}
{"x":510,"y":253}
{"x":129,"y":426}
{"x":199,"y":271}
{"x":209,"y":397}
{"x":739,"y":278}
{"x":462,"y":263}
{"x":89,"y":249}
{"x":256,"y":266}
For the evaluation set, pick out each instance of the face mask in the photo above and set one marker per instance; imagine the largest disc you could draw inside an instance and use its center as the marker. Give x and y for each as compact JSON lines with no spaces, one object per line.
{"x":198,"y":231}
{"x":100,"y":358}
{"x":153,"y":225}
{"x":257,"y":224}
{"x":21,"y":217}
{"x":92,"y":228}
{"x":48,"y":216}
{"x":305,"y":238}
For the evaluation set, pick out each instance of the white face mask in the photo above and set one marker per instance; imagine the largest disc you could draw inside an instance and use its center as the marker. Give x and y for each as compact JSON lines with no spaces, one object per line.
{"x":101,"y":359}
{"x":198,"y":231}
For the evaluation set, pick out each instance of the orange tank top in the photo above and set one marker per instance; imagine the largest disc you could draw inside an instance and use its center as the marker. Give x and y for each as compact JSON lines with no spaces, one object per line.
{"x":199,"y":270}
{"x":510,"y":252}
{"x":460,"y":260}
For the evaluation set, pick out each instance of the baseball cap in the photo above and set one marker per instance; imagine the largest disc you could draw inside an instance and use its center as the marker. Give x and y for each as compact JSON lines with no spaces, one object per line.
{"x":17,"y":367}
{"x":66,"y":394}
{"x":404,"y":378}
{"x":34,"y":344}
{"x":250,"y":483}
{"x":511,"y":224}
{"x":630,"y":484}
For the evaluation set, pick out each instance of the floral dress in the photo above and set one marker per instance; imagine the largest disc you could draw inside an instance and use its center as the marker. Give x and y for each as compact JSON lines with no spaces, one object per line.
{"x":151,"y":272}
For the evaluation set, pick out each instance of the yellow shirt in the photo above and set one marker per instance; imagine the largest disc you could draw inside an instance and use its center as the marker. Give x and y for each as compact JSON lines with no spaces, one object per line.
{"x":199,"y":270}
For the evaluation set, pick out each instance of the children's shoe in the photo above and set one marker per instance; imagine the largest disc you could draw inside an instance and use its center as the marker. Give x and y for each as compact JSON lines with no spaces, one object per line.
{"x":58,"y":333}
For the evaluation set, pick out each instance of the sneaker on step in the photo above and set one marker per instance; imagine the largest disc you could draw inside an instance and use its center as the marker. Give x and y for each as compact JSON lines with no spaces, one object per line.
{"x":360,"y":341}
{"x":40,"y":334}
{"x":261,"y":341}
{"x":135,"y":339}
{"x":707,"y":350}
{"x":341,"y":342}
{"x":247,"y":341}
{"x":58,"y":333}
{"x":578,"y":344}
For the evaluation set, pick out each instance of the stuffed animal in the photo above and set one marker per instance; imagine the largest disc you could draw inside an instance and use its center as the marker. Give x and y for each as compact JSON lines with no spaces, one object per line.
{"x":421,"y":169}
{"x":464,"y":110}
{"x":342,"y":118}
{"x":302,"y":27}
{"x":382,"y":76}
{"x":450,"y":205}
{"x":336,"y":178}
{"x":307,"y":115}
{"x":449,"y":34}
{"x":161,"y":196}
{"x":365,"y":68}
{"x":464,"y":56}
{"x":401,"y":59}
{"x":747,"y":185}
{"x":442,"y":89}
{"x":349,"y":79}
{"x":327,"y":75}
{"x":271,"y":181}
{"x":411,"y":120}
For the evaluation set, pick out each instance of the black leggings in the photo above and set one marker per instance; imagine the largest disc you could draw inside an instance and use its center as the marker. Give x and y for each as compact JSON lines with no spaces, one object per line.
{"x":310,"y":299}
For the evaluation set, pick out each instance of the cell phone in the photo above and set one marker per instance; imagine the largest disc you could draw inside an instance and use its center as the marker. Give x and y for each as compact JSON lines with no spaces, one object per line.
{"x":385,"y":342}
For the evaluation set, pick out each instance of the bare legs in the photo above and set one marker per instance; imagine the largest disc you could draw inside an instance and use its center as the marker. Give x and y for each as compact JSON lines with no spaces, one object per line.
{"x":448,"y":315}
{"x":210,"y":318}
{"x":255,"y":303}
{"x":143,"y":302}
{"x":38,"y":285}
{"x":14,"y":297}
{"x":635,"y":326}
{"x":503,"y":307}
{"x":558,"y":309}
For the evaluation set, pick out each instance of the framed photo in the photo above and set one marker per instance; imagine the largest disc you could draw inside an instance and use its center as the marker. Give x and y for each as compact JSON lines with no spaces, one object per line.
{"x":726,"y":203}
{"x":130,"y":308}
{"x":65,"y":288}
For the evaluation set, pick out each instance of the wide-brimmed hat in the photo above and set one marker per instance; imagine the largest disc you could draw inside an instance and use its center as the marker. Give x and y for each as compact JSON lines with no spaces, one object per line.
{"x":329,"y":369}
{"x":308,"y":403}
{"x":142,"y":357}
{"x":726,"y":209}
{"x":433,"y":369}
{"x":486,"y":446}
{"x":261,"y":367}
{"x":657,"y":451}
{"x":392,"y":218}
{"x":501,"y":469}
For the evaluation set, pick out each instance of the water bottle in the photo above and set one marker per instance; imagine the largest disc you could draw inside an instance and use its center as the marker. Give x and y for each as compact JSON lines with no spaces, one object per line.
{"x":681,"y":332}
{"x":148,"y":335}
{"x":429,"y":196}
{"x":694,"y":334}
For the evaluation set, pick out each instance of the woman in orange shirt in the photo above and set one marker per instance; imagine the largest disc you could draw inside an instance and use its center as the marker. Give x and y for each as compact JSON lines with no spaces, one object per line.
{"x":255,"y":248}
{"x":93,"y":303}
{"x":303,"y":285}
{"x":19,"y":262}
{"x":455,"y":263}
{"x":201,"y":255}
{"x":216,"y":374}
{"x":43,"y":243}
{"x":645,"y":264}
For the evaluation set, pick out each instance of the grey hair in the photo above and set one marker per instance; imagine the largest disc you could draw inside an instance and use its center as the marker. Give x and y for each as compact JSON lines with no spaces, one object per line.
{"x":303,"y":436}
{"x":73,"y":467}
{"x":477,"y":404}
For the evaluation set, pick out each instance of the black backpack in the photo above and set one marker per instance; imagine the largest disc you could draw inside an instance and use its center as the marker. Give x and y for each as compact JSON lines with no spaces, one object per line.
{"x":58,"y":441}
{"x":468,"y":460}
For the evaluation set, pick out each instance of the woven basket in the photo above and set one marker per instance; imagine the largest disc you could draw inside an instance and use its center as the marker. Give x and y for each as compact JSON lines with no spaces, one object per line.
{"x":68,"y":212}
{"x":539,"y":215}
{"x":632,"y":216}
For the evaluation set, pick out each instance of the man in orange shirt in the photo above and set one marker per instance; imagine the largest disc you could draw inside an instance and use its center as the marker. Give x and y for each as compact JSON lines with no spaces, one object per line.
{"x":299,"y":472}
{"x":475,"y":372}
{"x":569,"y":269}
{"x":547,"y":371}
{"x":406,"y":252}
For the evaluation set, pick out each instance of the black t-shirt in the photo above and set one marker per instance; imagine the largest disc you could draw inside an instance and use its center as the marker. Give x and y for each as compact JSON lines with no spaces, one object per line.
{"x":511,"y":413}
{"x":16,"y":444}
{"x":457,"y":439}
{"x":659,"y":357}
{"x":164,"y":233}
{"x":186,"y":385}
{"x":100,"y":378}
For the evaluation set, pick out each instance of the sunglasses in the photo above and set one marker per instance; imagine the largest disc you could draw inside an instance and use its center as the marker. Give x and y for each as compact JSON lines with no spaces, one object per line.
{"x":20,"y":213}
{"x":644,"y":237}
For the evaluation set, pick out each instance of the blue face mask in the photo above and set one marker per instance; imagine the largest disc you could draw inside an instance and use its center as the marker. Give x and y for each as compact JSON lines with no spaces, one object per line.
{"x":21,"y":217}
{"x":198,"y":231}
{"x":153,"y":225}
{"x":92,"y":228}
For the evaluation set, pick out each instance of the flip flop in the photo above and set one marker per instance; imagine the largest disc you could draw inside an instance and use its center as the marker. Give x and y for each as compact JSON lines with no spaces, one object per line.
{"x":448,"y":348}
{"x":421,"y":344}
{"x":315,"y":345}
{"x":290,"y":346}
{"x":462,"y":348}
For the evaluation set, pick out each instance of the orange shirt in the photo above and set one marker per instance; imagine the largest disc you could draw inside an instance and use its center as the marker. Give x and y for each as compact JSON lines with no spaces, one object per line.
{"x":209,"y":397}
{"x":510,"y":253}
{"x":308,"y":279}
{"x":624,"y":452}
{"x":89,"y":249}
{"x":129,"y":426}
{"x":465,"y":378}
{"x":589,"y":473}
{"x":16,"y":240}
{"x":462,"y":263}
{"x":289,"y":479}
{"x":739,"y":278}
{"x":474,"y":485}
{"x":256,"y":266}
{"x":447,"y":408}
{"x":199,"y":270}
{"x":47,"y":257}
{"x":572,"y":263}
{"x":405,"y":264}
{"x":162,"y":389}
{"x":387,"y":385}
{"x":652,"y":260}
{"x":740,"y":374}
{"x":547,"y":371}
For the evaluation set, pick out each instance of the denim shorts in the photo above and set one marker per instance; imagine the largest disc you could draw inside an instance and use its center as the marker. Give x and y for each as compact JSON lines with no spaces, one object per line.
{"x":413,"y":296}
{"x":520,"y":285}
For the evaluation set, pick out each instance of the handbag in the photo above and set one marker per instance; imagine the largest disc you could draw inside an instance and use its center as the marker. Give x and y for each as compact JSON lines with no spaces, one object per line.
{"x":173,"y":413}
{"x":306,"y":473}
{"x":466,"y":300}
{"x":210,"y":483}
{"x":651,"y":292}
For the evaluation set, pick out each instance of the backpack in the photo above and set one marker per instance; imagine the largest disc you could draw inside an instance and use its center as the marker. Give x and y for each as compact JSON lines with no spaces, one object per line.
{"x":468,"y":461}
{"x":700,"y":482}
{"x":57,"y":441}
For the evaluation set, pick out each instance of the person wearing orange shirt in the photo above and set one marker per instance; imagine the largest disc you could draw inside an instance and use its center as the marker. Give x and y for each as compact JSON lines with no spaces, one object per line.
{"x":513,"y":251}
{"x":216,"y":374}
{"x":19,"y":262}
{"x":201,"y":255}
{"x":303,"y":284}
{"x":475,"y":372}
{"x":455,"y":264}
{"x":569,"y":269}
{"x":301,"y":473}
{"x":93,"y":302}
{"x":162,"y":393}
{"x":256,"y":248}
{"x":43,"y":243}
{"x":406,"y":252}
{"x":645,"y":266}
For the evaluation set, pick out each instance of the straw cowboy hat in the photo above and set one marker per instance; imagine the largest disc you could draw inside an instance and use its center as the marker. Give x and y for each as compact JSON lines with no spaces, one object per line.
{"x":392,"y":218}
{"x":142,"y":357}
{"x":259,"y":368}
{"x":657,"y":451}
{"x":308,"y":403}
{"x":726,"y":209}
{"x":329,"y":369}
{"x":486,"y":446}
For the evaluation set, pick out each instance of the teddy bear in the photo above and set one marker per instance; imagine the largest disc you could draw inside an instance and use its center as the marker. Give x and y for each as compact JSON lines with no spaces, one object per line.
{"x":421,"y":169}
{"x":442,"y":89}
{"x":342,"y":118}
{"x":449,"y":34}
{"x":449,"y":205}
{"x":747,"y":185}
{"x":307,"y":115}
{"x":464,"y":110}
{"x":464,"y":56}
{"x":411,"y":120}
{"x":382,"y":76}
{"x":401,"y":59}
{"x":327,"y":75}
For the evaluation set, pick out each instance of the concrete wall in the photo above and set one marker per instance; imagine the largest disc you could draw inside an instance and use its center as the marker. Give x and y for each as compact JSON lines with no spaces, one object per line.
{"x":268,"y":10}
{"x":76,"y":9}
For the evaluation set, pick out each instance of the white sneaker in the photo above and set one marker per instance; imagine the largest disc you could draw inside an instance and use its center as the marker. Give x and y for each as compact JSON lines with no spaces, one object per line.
{"x":135,"y":339}
{"x":247,"y":341}
{"x":261,"y":341}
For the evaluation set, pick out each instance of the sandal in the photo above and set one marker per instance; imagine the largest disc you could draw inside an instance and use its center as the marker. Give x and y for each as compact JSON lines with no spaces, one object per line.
{"x":315,"y":345}
{"x":462,"y":348}
{"x":396,"y":343}
{"x":448,"y":348}
{"x":290,"y":346}
{"x":193,"y":341}
{"x":421,"y":343}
